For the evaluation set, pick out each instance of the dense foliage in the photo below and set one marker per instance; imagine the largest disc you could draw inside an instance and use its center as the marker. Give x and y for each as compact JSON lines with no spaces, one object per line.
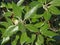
{"x":30,"y":22}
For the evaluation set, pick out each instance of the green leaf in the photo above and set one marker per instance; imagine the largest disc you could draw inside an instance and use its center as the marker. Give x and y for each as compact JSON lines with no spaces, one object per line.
{"x":5,"y":24}
{"x":21,"y":27}
{"x":15,"y":40}
{"x":38,"y":25}
{"x":29,"y":13}
{"x":27,"y":8}
{"x":40,"y":40}
{"x":55,"y":3}
{"x":17,"y":10}
{"x":8,"y":5}
{"x":49,"y":33}
{"x":50,"y":39}
{"x":34,"y":20}
{"x":9,"y":21}
{"x":2,"y":30}
{"x":33,"y":3}
{"x":42,"y":1}
{"x":24,"y":38}
{"x":33,"y":38}
{"x":44,"y":30}
{"x":54,"y":10}
{"x":31,"y":27}
{"x":46,"y":26}
{"x":8,"y":14}
{"x":47,"y":15}
{"x":10,"y":31}
{"x":36,"y":16}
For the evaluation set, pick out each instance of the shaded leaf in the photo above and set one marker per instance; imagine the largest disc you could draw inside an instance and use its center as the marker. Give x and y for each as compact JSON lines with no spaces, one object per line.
{"x":15,"y":41}
{"x":5,"y":24}
{"x":2,"y":4}
{"x":33,"y":38}
{"x":25,"y":38}
{"x":9,"y":21}
{"x":27,"y":8}
{"x":2,"y":30}
{"x":40,"y":40}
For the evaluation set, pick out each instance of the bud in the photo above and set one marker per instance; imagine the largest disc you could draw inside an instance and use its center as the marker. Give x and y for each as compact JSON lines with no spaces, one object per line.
{"x":15,"y":22}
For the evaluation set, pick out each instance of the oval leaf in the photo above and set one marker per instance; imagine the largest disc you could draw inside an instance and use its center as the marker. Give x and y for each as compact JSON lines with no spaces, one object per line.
{"x":47,"y":15}
{"x":40,"y":40}
{"x":31,"y":27}
{"x":44,"y":30}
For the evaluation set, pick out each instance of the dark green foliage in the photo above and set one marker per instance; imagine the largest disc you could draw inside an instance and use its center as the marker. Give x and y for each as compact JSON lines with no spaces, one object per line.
{"x":30,"y":22}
